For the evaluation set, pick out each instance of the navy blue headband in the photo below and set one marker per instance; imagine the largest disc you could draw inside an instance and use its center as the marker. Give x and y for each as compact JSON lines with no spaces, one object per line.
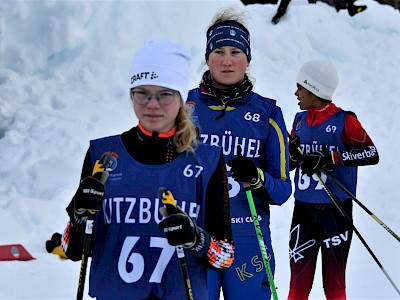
{"x":228,"y":33}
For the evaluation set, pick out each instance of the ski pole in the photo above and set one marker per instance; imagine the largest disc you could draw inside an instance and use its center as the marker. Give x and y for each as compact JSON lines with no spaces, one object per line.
{"x":257,"y":227}
{"x":170,"y":204}
{"x":343,"y":188}
{"x":330,"y":195}
{"x":100,"y":168}
{"x":263,"y":247}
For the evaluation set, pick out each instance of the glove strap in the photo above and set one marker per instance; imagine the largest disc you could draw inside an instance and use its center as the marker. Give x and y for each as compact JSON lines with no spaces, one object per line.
{"x":79,"y":220}
{"x":202,"y":244}
{"x":260,"y":180}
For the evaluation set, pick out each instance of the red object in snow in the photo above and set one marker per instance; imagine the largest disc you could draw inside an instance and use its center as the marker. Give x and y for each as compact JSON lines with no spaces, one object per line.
{"x":14,"y":252}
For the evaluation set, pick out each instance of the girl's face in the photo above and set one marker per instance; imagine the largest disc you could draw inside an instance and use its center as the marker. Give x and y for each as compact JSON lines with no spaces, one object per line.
{"x":307,"y":99}
{"x":156,"y":107}
{"x":227,"y":66}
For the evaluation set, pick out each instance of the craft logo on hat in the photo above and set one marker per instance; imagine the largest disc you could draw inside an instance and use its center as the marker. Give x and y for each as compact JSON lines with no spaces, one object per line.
{"x":143,"y":75}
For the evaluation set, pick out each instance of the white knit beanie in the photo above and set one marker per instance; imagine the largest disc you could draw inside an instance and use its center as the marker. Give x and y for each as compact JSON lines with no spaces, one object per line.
{"x":319,"y":77}
{"x":161,"y":63}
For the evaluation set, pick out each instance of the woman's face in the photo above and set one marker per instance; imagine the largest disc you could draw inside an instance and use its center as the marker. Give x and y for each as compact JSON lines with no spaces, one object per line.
{"x":227,"y":66}
{"x":154,"y":115}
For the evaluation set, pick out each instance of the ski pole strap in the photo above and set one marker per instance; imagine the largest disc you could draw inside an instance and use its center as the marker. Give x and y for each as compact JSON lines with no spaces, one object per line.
{"x":260,"y":180}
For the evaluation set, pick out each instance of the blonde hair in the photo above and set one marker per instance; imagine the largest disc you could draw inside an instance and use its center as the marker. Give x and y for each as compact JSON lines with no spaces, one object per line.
{"x":229,"y":14}
{"x":185,"y":138}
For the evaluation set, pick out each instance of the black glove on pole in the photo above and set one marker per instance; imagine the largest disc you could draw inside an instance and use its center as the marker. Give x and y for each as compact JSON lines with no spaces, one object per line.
{"x":88,"y":199}
{"x":295,"y":152}
{"x":90,"y":194}
{"x":180,"y":229}
{"x":316,"y":161}
{"x":312,"y":162}
{"x":244,"y":170}
{"x":171,"y":225}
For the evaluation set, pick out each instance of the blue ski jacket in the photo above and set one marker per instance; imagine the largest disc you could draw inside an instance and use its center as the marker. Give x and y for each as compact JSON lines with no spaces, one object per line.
{"x":257,"y":125}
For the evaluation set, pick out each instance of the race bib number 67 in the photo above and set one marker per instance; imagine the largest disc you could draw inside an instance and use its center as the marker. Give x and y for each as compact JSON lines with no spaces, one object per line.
{"x":137,"y":262}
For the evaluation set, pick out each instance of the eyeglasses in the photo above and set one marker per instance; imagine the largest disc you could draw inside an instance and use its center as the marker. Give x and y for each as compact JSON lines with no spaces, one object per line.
{"x":163,"y":98}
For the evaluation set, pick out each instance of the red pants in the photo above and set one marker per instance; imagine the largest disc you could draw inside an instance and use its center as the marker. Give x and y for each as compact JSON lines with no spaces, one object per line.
{"x":318,"y":227}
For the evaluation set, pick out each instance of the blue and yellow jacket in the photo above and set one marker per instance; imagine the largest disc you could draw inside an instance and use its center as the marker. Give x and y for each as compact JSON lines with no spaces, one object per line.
{"x":257,"y":125}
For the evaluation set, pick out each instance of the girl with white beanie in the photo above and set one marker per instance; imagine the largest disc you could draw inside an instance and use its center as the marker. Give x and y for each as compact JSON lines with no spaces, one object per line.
{"x":333,"y":140}
{"x":133,"y":249}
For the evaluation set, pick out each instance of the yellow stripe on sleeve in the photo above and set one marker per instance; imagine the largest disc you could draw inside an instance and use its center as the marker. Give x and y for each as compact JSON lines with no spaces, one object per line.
{"x":281,"y":148}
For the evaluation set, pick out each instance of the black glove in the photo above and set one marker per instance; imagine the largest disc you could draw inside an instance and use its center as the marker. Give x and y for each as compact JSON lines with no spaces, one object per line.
{"x":54,"y":242}
{"x":89,"y":196}
{"x":295,"y":152}
{"x":316,"y":161}
{"x":244,"y":170}
{"x":179,"y":228}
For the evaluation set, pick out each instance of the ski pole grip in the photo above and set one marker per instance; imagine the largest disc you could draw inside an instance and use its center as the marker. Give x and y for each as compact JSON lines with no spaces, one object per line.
{"x":98,"y":167}
{"x":99,"y":171}
{"x":246,"y":186}
{"x":104,"y":177}
{"x":100,"y":174}
{"x":167,"y":199}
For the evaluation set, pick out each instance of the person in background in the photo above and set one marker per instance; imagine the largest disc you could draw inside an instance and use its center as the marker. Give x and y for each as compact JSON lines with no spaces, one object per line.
{"x":133,"y":255}
{"x":230,"y":114}
{"x":352,"y":9}
{"x":324,"y":137}
{"x":394,"y":3}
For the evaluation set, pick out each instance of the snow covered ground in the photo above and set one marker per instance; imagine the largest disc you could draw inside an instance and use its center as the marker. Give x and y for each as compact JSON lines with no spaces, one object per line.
{"x":63,"y":81}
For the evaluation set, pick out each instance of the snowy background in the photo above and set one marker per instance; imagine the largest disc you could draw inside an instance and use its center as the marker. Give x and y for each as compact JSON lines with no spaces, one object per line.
{"x":63,"y":81}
